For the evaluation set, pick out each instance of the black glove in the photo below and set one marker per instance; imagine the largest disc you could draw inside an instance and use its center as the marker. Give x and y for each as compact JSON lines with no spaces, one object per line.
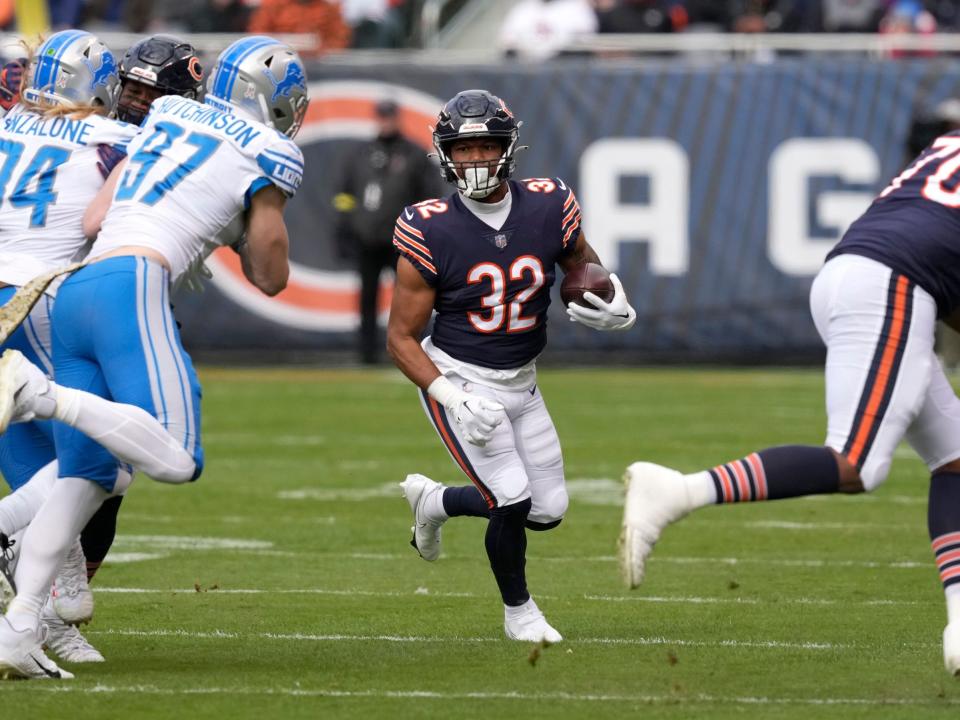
{"x":110,"y":157}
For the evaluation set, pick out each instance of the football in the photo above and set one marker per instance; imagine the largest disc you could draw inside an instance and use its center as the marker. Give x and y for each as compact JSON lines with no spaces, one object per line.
{"x":588,"y":277}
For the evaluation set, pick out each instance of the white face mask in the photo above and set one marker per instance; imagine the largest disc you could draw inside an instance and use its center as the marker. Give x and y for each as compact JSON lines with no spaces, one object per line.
{"x":478,"y":182}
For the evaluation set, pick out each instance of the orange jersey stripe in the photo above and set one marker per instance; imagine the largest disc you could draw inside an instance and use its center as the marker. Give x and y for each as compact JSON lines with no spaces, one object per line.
{"x":883,"y":373}
{"x":413,"y":255}
{"x":410,"y":241}
{"x":409,"y":228}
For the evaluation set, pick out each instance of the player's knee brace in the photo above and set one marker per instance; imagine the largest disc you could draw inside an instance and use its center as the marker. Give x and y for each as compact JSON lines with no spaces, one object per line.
{"x":548,"y":510}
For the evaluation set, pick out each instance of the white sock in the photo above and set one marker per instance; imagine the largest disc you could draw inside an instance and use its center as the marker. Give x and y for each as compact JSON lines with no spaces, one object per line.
{"x":54,"y":529}
{"x":130,"y":433}
{"x":953,"y":603}
{"x":434,"y":507}
{"x":700,"y":489}
{"x":515,"y":611}
{"x":18,"y":508}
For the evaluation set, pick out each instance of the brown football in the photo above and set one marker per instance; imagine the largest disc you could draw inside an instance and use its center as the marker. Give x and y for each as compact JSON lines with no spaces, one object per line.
{"x":588,"y":277}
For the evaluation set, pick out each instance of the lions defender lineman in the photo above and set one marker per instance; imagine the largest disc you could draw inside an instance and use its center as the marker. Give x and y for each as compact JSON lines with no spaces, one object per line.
{"x":485,"y":259}
{"x":113,"y":331}
{"x":53,"y":146}
{"x":875,"y":304}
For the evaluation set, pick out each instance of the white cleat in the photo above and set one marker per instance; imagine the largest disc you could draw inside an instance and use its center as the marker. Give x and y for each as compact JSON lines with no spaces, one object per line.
{"x":24,"y":390}
{"x":951,"y":648}
{"x":527,"y":624}
{"x":417,"y":489}
{"x":22,"y":656}
{"x":655,"y":497}
{"x":66,"y":642}
{"x":71,"y":595}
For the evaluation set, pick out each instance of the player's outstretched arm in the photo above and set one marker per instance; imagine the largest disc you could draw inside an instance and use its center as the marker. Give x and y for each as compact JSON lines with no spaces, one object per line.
{"x":265,"y":254}
{"x":97,"y":209}
{"x":412,"y":304}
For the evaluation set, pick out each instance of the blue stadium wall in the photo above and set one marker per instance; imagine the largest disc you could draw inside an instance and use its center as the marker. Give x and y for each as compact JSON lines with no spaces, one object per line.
{"x":715,"y":190}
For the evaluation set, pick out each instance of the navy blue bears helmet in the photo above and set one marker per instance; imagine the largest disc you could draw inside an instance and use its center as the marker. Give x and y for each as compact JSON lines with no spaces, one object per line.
{"x":164,"y":62}
{"x":476,"y":114}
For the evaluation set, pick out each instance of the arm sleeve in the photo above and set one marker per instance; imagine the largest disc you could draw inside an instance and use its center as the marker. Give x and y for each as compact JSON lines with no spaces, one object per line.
{"x":411,"y":242}
{"x":569,"y":218}
{"x":281,"y":164}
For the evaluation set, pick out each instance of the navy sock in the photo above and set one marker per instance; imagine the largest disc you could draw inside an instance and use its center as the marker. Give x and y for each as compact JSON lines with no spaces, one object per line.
{"x":465,"y":500}
{"x":943,"y":522}
{"x":98,"y":534}
{"x":506,"y":542}
{"x":775,"y":473}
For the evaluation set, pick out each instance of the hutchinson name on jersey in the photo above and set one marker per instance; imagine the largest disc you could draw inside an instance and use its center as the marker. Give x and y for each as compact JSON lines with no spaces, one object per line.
{"x":492,"y":286}
{"x":191,"y":171}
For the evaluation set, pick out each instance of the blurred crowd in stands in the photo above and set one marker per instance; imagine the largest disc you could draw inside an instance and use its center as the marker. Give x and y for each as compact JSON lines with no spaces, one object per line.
{"x":338,"y":24}
{"x":535,"y":28}
{"x":530,"y":28}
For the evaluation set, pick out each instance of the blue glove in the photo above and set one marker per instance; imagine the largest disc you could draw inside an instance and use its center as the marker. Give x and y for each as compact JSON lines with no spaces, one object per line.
{"x":11,"y":76}
{"x":110,"y":157}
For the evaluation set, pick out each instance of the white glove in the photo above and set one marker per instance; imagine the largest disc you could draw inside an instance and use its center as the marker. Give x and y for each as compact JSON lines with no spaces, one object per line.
{"x":477,"y":416}
{"x":614,"y":315}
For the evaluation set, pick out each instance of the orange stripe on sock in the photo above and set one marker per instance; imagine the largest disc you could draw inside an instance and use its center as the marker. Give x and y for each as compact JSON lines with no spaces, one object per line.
{"x":883,"y":378}
{"x":948,"y":557}
{"x":949,"y":574}
{"x":727,"y":483}
{"x":761,"y":478}
{"x":944,"y":540}
{"x":742,"y":481}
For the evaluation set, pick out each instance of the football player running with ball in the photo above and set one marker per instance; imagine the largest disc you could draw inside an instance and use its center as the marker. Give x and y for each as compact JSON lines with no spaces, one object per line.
{"x":875,"y":304}
{"x":161,"y":212}
{"x":484,"y":258}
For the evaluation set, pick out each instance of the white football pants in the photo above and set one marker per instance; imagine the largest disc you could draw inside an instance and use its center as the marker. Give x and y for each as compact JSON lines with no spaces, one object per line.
{"x":883,"y":381}
{"x":522,"y":459}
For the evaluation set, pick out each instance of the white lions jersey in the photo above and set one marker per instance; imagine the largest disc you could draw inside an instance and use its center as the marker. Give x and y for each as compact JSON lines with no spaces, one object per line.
{"x":190,"y":172}
{"x":48,"y":176}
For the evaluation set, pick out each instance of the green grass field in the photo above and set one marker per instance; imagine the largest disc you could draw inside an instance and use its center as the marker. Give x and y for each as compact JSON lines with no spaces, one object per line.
{"x":282,"y":586}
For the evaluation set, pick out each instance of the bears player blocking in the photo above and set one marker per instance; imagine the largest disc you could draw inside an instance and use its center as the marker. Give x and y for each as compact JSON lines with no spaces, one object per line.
{"x":875,"y":304}
{"x":484,"y":258}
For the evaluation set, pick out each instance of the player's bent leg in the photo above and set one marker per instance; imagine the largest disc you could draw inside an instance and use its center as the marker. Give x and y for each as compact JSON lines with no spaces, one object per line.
{"x":70,"y":595}
{"x":22,"y":656}
{"x":19,"y":507}
{"x":98,"y":535}
{"x":66,"y":641}
{"x":425,"y":498}
{"x":943,"y":523}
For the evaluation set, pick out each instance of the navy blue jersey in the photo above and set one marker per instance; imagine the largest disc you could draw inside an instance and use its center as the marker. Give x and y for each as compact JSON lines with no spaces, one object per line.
{"x":913,"y":226}
{"x":492,"y":286}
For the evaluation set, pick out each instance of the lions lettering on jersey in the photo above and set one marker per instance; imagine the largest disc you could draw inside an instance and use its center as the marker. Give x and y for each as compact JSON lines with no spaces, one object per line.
{"x":913,"y":226}
{"x":191,"y":171}
{"x":492,"y":286}
{"x":48,"y":176}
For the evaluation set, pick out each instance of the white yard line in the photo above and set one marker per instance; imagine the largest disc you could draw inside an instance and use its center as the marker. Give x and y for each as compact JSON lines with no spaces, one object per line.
{"x":417,"y":639}
{"x":672,"y":699}
{"x":653,"y":599}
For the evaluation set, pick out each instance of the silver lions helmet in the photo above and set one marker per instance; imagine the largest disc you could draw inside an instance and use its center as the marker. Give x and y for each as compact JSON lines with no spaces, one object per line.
{"x":73,"y":68}
{"x":264,"y":79}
